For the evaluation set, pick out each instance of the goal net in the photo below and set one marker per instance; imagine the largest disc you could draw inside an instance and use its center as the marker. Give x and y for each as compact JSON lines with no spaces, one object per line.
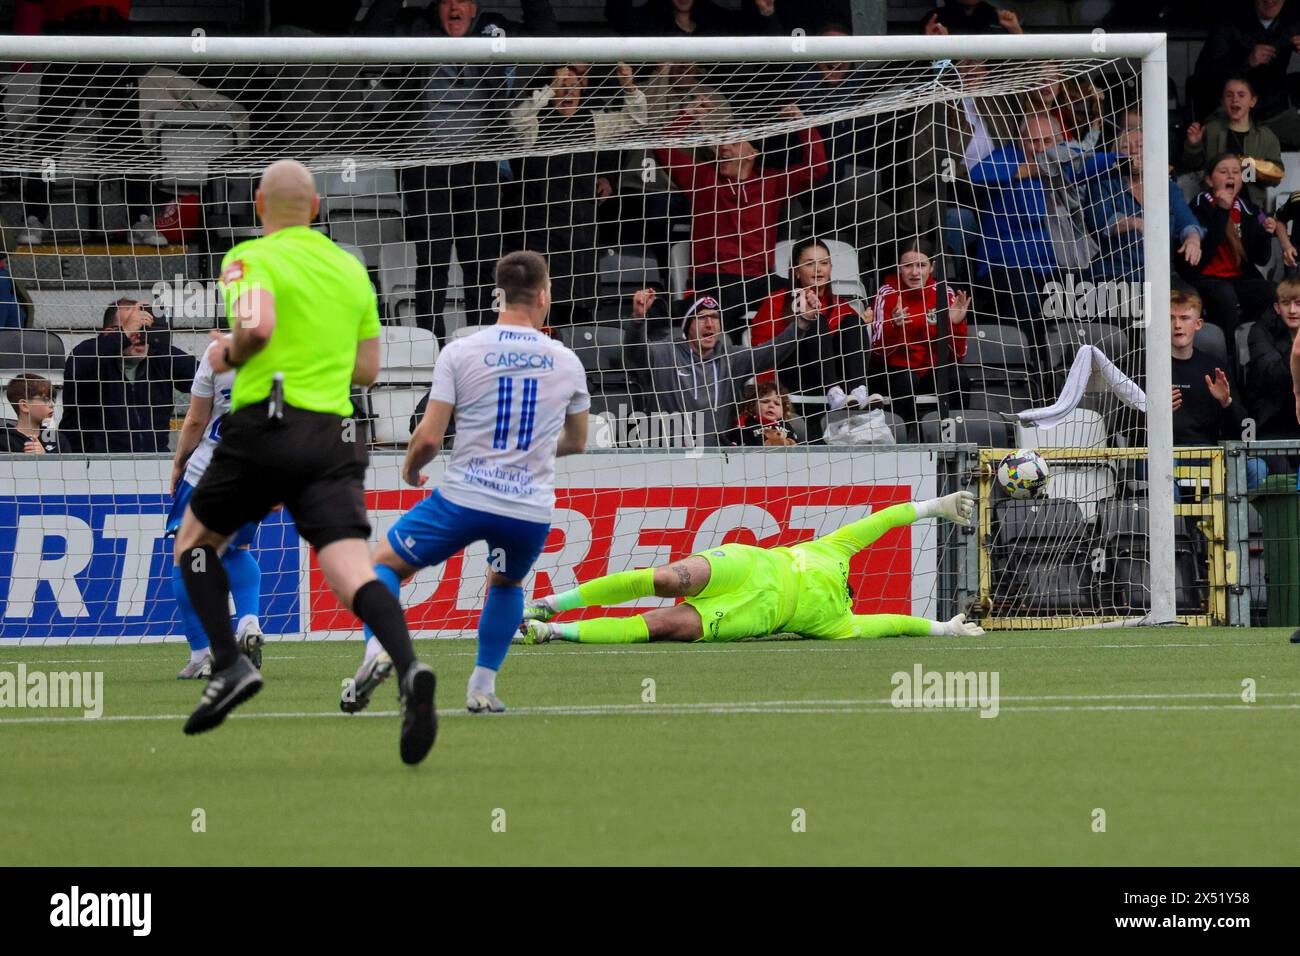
{"x":808,"y":278}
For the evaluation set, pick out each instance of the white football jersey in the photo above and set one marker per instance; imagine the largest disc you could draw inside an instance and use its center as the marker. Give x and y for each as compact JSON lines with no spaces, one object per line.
{"x":207,"y":384}
{"x":511,"y":387}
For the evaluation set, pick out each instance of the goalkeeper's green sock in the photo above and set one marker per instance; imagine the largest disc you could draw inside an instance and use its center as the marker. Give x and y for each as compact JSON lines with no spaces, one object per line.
{"x":611,"y":589}
{"x":892,"y":625}
{"x":605,"y":630}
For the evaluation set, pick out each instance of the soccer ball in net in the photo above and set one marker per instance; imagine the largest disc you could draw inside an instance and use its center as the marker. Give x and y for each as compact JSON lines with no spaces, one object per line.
{"x":1023,"y":473}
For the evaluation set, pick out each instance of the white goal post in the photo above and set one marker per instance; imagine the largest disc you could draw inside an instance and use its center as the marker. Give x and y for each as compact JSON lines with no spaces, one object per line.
{"x":920,"y":60}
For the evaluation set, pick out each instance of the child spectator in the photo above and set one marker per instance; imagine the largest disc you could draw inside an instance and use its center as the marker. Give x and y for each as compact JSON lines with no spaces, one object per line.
{"x":765,"y":417}
{"x":816,"y":362}
{"x":1237,"y":133}
{"x":1237,"y":240}
{"x":33,"y":399}
{"x":1205,"y":409}
{"x":1268,"y":382}
{"x":906,"y":332}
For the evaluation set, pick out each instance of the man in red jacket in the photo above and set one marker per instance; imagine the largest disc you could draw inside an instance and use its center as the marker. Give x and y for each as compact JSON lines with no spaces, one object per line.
{"x":735,"y":208}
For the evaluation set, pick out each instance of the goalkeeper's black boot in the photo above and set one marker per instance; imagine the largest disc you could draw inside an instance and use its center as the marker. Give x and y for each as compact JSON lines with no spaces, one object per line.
{"x":226,"y":689}
{"x":419,"y":718}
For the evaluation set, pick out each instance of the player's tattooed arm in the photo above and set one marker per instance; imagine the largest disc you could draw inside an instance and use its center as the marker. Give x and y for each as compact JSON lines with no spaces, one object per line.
{"x":426,"y":442}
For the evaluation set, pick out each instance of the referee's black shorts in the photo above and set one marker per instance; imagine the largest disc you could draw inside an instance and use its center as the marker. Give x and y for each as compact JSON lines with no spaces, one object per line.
{"x":308,"y":460}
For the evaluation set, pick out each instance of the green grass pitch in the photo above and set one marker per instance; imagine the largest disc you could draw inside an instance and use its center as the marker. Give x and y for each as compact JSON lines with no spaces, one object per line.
{"x":1147,"y":725}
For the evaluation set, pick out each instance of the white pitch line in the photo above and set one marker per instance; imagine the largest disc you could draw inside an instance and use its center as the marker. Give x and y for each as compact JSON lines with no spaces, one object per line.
{"x":750,"y":647}
{"x":882,"y":705}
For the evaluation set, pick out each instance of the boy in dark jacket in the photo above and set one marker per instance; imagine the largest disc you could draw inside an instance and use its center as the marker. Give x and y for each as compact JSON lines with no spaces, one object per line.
{"x":1268,"y":382}
{"x":1206,"y":410}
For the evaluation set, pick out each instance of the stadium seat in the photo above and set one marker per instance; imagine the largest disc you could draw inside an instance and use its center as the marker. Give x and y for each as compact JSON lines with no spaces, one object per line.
{"x":620,"y":274}
{"x":31,"y":350}
{"x":1040,"y":556}
{"x":1064,"y":341}
{"x":973,"y":426}
{"x":845,"y":279}
{"x":1242,"y":342}
{"x":994,"y":347}
{"x":1210,"y":339}
{"x":406,"y":355}
{"x":190,"y":141}
{"x":1082,"y":428}
{"x":390,"y":408}
{"x":463,"y":331}
{"x":600,"y":349}
{"x":1032,"y":522}
{"x":679,"y":268}
{"x":397,"y":269}
{"x":1087,"y":485}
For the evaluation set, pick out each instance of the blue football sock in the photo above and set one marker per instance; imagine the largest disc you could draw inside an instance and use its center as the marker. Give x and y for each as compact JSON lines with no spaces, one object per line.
{"x":393,"y":583}
{"x":245,"y":581}
{"x":190,"y":623}
{"x":502,"y":612}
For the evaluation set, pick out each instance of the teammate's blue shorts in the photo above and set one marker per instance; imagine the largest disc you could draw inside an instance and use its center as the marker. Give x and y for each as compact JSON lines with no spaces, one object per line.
{"x":435,"y":529}
{"x":243,"y":537}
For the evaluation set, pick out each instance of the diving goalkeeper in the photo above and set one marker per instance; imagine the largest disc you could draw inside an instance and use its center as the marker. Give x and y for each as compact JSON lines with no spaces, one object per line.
{"x":737,"y":591}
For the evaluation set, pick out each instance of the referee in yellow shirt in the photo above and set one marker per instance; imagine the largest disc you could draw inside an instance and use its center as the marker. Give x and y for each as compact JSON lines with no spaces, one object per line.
{"x":304,"y":329}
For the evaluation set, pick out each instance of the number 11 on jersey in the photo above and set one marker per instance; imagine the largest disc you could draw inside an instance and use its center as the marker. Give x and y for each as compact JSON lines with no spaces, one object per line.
{"x":527,"y":412}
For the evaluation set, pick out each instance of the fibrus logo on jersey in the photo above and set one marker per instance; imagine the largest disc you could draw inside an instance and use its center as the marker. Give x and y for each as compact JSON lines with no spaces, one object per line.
{"x":505,"y":335}
{"x":518,"y":360}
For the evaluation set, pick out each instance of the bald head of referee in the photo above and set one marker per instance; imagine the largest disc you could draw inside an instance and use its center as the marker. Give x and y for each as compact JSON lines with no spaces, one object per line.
{"x":286,"y":196}
{"x":305,"y":329}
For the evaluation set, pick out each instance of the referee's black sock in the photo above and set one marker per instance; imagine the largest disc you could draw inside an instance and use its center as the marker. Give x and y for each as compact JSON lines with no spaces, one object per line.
{"x":382,"y":613}
{"x":208,"y":586}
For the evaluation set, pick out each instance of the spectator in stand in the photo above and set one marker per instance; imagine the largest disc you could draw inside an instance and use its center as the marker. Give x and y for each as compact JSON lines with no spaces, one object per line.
{"x":698,"y":372}
{"x":953,"y":137}
{"x":1255,"y":41}
{"x":119,"y":388}
{"x":765,"y":417}
{"x":32,"y":397}
{"x":1235,"y":132}
{"x":1237,"y":240}
{"x":863,"y":154}
{"x":818,"y":361}
{"x":1205,"y":409}
{"x":685,"y":18}
{"x":1075,"y":103}
{"x":970,"y":17}
{"x":906,"y":333}
{"x":735,"y":208}
{"x":1032,"y":227}
{"x":1114,"y":213}
{"x":459,"y":204}
{"x":1268,"y":383}
{"x":561,"y":190}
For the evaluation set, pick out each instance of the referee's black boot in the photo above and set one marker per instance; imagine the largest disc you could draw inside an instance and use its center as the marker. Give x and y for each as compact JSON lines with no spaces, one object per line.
{"x":227,"y":688}
{"x":419,"y":718}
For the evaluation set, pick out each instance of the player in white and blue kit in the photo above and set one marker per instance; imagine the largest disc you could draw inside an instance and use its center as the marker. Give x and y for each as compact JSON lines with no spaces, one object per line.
{"x":209,"y":402}
{"x":520,"y":400}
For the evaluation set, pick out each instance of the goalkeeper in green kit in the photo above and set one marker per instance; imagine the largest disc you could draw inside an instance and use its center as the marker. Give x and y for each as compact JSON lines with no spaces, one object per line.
{"x":738,"y":591}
